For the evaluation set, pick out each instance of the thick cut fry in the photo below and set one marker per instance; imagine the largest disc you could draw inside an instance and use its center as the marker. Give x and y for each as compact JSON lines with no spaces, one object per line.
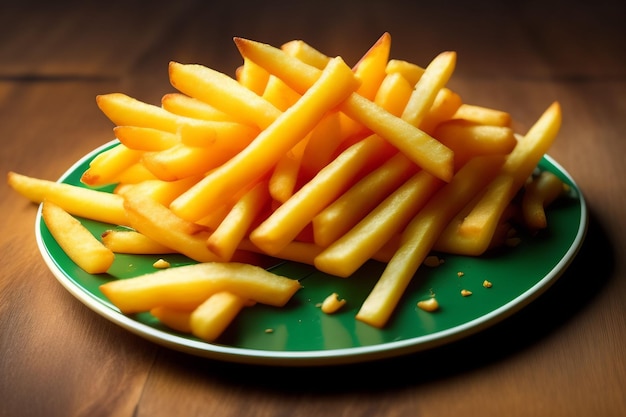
{"x":76,"y":241}
{"x":482,"y":115}
{"x":538,"y":194}
{"x":226,"y":238}
{"x":182,"y":161}
{"x":222,"y":92}
{"x":123,"y":110}
{"x":130,"y":241}
{"x":468,"y":140}
{"x":78,"y":201}
{"x":371,"y":67}
{"x":253,"y":77}
{"x":420,"y":235}
{"x":410,"y":71}
{"x":445,"y":106}
{"x":349,"y":252}
{"x":475,"y":230}
{"x":209,"y":320}
{"x":192,"y":108}
{"x":172,"y":318}
{"x":435,"y":77}
{"x":161,"y":191}
{"x":161,"y":225}
{"x":394,"y":94}
{"x":270,"y":145}
{"x":145,"y":138}
{"x":306,"y":53}
{"x":347,"y":210}
{"x":221,"y":136}
{"x":421,"y":148}
{"x":105,"y":168}
{"x":288,"y":220}
{"x":280,"y":94}
{"x":186,"y":287}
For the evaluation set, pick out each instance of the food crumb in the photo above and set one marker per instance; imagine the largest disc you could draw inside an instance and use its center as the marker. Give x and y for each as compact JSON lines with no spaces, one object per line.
{"x":487,"y":284}
{"x":433,"y":261}
{"x":429,"y":305}
{"x":466,"y":293}
{"x":161,"y":264}
{"x":269,"y":330}
{"x":460,"y":274}
{"x":332,"y":303}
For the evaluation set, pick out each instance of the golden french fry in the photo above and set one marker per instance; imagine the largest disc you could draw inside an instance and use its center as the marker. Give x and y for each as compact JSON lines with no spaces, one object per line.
{"x":305,"y":53}
{"x":348,"y":209}
{"x":78,"y":201}
{"x":475,"y":230}
{"x":209,"y":320}
{"x":284,"y":179}
{"x":253,"y":77}
{"x":157,"y":222}
{"x":222,"y":92}
{"x":421,"y":148}
{"x":350,"y":251}
{"x":192,"y":108}
{"x":434,"y":78}
{"x":270,"y":145}
{"x":445,"y":106}
{"x":393,"y":94}
{"x":76,"y":240}
{"x":482,"y":115}
{"x":420,"y":235}
{"x":233,"y":228}
{"x":370,"y":69}
{"x":172,"y":318}
{"x":160,"y":191}
{"x":410,"y":71}
{"x":145,"y":138}
{"x":124,"y":110}
{"x":538,"y":194}
{"x":130,"y":241}
{"x":221,"y":136}
{"x":105,"y":168}
{"x":186,"y":287}
{"x":288,"y":220}
{"x":279,"y":94}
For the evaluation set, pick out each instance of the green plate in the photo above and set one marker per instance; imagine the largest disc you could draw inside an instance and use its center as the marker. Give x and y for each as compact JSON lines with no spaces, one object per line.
{"x":302,"y":335}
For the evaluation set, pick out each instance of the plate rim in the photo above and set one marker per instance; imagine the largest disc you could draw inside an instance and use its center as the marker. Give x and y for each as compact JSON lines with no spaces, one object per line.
{"x":313,"y":357}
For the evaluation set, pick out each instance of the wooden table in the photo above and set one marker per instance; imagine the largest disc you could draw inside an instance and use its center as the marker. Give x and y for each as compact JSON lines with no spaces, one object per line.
{"x":563,"y":355}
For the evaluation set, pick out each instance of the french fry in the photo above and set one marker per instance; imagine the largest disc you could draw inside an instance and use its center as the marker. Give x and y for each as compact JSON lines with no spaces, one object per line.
{"x":124,"y":110}
{"x":105,"y":168}
{"x":160,"y":191}
{"x":130,"y":241}
{"x":284,"y":179}
{"x":270,"y":145}
{"x":172,"y":318}
{"x":420,"y":235}
{"x":393,"y":94}
{"x":350,"y":251}
{"x":279,"y":94}
{"x":284,"y":224}
{"x":348,"y":209}
{"x":225,"y":240}
{"x":306,"y":53}
{"x":370,"y":69}
{"x":482,"y":115}
{"x":221,"y":136}
{"x":446,"y":104}
{"x":253,"y":77}
{"x":222,"y":92}
{"x":186,"y":287}
{"x":76,"y":240}
{"x":209,"y":320}
{"x":434,"y":78}
{"x":538,"y":194}
{"x":472,"y":234}
{"x":410,"y":71}
{"x":421,"y":148}
{"x":145,"y":138}
{"x":78,"y":201}
{"x":192,"y":108}
{"x":157,"y":222}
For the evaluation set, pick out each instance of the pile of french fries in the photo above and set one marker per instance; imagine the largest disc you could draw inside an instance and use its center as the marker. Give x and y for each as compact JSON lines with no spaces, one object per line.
{"x":303,"y":158}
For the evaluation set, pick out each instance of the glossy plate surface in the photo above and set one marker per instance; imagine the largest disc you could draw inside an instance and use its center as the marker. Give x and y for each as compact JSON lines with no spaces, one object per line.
{"x":303,"y":335}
